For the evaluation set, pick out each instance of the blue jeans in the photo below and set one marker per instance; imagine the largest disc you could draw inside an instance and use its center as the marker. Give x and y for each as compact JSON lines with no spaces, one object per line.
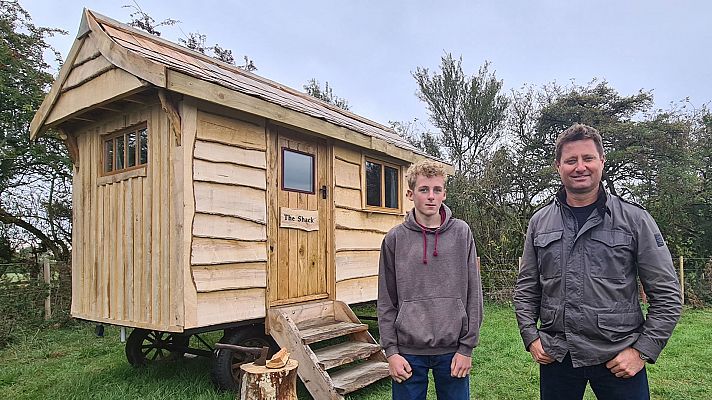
{"x":446,"y":387}
{"x":561,"y":381}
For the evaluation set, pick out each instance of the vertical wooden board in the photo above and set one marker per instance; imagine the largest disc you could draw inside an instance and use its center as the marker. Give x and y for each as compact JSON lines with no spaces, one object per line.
{"x":118,"y":298}
{"x":147,"y":236}
{"x":406,"y":204}
{"x":113,"y":253}
{"x":105,"y":274}
{"x":137,"y":233}
{"x":272,"y":213}
{"x":78,"y":295}
{"x":156,"y":233}
{"x":89,"y":213}
{"x":189,"y":117}
{"x":167,"y":142}
{"x":283,"y":235}
{"x":88,"y":267}
{"x":293,"y":252}
{"x":95,"y":308}
{"x":128,"y":240}
{"x":175,"y":239}
{"x":312,"y":244}
{"x":327,"y":237}
{"x":325,"y":206}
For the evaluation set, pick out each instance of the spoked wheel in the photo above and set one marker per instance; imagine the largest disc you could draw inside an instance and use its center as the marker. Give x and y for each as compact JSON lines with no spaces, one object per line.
{"x":225,"y":373}
{"x":146,"y":346}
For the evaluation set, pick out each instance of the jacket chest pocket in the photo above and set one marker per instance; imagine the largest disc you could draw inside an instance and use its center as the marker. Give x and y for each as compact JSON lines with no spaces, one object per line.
{"x":548,"y":252}
{"x":610,"y":254}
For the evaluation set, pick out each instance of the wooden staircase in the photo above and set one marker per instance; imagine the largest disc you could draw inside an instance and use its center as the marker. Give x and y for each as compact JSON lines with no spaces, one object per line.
{"x":324,"y":336}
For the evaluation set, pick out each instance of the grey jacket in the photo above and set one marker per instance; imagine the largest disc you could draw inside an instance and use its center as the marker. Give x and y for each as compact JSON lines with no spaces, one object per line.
{"x":429,"y":290}
{"x":583,"y":288}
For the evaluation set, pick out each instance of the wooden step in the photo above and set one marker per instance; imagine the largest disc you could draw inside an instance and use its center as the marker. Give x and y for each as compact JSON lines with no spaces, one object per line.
{"x":344,"y":353}
{"x":361,"y":375}
{"x":331,"y":330}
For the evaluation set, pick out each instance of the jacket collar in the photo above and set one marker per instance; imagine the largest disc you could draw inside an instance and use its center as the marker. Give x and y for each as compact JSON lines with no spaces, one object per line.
{"x":601,"y":200}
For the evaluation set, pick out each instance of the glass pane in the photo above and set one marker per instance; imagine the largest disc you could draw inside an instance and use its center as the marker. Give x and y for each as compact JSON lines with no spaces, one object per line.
{"x":298,"y":171}
{"x":108,"y":155}
{"x":119,"y":152}
{"x":131,"y":151}
{"x":143,"y":146}
{"x":373,"y":184}
{"x":391,"y":175}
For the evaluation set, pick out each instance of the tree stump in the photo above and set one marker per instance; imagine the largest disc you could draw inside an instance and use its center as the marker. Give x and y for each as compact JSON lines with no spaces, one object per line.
{"x":262,"y":383}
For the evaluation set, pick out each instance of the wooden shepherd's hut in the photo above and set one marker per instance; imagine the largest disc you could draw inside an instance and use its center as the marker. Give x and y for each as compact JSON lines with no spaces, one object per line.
{"x":209,"y":198}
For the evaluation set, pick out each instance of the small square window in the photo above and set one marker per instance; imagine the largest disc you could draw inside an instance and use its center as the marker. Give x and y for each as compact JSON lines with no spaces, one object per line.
{"x":125,"y":150}
{"x":382,"y":185}
{"x":297,"y":171}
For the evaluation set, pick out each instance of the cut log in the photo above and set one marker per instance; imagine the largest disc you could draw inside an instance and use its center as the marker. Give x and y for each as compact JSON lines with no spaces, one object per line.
{"x":261,"y":383}
{"x":278,"y":360}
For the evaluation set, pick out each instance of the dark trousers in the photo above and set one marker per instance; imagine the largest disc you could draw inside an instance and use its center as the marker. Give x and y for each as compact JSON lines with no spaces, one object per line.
{"x":561,"y":381}
{"x":446,"y":387}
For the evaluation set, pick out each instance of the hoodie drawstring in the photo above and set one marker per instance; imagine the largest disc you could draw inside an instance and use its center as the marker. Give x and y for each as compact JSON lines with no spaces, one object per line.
{"x":425,"y":244}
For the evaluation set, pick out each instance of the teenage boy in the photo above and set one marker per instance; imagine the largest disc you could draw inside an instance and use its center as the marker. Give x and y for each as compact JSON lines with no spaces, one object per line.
{"x":429,"y":293}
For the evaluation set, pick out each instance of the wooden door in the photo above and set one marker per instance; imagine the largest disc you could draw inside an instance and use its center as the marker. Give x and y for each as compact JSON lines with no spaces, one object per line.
{"x":299,"y":218}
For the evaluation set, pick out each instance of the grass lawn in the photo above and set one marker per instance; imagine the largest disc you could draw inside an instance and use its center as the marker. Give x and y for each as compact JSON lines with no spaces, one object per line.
{"x":70,"y":363}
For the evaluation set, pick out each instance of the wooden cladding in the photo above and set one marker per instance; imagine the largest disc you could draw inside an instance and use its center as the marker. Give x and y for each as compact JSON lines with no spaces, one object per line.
{"x":229,"y":243}
{"x":125,"y":232}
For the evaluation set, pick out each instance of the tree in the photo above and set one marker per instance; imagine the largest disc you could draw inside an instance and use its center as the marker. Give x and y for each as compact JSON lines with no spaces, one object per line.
{"x":143,"y":21}
{"x":313,"y":88}
{"x":468,"y":111}
{"x":35,"y":177}
{"x":416,"y":134}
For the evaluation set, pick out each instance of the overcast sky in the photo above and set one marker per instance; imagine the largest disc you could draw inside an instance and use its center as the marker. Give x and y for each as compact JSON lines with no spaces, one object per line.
{"x":368,"y":49}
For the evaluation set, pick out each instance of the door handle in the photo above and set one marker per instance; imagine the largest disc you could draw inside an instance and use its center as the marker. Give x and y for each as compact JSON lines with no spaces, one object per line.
{"x":323,"y":192}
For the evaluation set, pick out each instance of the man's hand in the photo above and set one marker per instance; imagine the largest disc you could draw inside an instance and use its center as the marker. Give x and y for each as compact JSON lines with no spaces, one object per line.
{"x":626,"y":364}
{"x":538,"y":353}
{"x":399,"y":368}
{"x":460,"y":366}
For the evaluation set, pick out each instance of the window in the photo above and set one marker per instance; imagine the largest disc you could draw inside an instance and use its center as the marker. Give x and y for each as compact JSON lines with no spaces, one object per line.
{"x":382,"y":185}
{"x":125,"y":150}
{"x":297,"y":171}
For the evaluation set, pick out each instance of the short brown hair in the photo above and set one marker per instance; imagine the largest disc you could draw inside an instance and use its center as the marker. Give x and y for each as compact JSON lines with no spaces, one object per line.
{"x":578,"y":132}
{"x":426,"y":168}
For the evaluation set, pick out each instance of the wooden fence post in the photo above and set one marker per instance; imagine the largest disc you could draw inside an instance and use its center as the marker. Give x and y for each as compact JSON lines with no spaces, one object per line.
{"x":682,"y":279}
{"x":48,"y":281}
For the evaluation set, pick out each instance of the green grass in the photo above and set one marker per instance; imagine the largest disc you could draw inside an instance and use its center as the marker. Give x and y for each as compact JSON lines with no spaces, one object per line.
{"x":70,"y":363}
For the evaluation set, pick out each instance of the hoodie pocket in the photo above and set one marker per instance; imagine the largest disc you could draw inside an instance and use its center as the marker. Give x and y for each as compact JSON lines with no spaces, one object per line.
{"x":431,"y":323}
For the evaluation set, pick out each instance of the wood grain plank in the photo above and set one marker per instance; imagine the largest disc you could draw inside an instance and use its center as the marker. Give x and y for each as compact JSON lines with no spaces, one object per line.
{"x":243,"y":202}
{"x":207,"y":171}
{"x":230,"y":306}
{"x":211,"y":278}
{"x":220,"y":251}
{"x":222,"y":153}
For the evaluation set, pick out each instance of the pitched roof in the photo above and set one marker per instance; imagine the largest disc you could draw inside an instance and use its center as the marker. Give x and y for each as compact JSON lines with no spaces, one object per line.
{"x":154,"y":59}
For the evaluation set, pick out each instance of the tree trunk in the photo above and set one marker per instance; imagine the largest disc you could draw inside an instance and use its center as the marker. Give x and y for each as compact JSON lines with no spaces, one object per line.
{"x":262,"y":383}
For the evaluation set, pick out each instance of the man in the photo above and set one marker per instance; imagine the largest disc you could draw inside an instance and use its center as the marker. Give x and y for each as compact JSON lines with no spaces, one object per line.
{"x":429,"y":293}
{"x":583,"y":256}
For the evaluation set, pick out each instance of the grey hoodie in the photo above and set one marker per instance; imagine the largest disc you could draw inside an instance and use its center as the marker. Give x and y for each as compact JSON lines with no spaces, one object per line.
{"x":429,"y":289}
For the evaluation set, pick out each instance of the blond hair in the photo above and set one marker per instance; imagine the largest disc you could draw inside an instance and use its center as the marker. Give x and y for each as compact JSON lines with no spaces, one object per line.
{"x":426,"y":168}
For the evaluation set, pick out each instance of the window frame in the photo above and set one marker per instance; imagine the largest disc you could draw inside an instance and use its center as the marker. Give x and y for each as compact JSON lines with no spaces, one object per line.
{"x":399,"y":191}
{"x":313,"y":159}
{"x":124,"y":132}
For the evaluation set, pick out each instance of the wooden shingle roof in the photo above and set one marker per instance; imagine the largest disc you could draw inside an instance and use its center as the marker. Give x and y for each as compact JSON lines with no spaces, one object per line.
{"x":176,"y":68}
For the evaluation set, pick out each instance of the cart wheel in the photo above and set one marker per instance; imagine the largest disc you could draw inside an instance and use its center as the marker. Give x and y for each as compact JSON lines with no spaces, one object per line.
{"x":146,"y":346}
{"x":225,"y":372}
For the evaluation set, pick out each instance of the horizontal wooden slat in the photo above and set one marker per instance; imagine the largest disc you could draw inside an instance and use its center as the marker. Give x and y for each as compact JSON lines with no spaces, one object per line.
{"x":356,"y":264}
{"x":210,"y":278}
{"x":349,"y":154}
{"x":219,"y":152}
{"x":344,"y":353}
{"x":345,"y":197}
{"x":215,"y":198}
{"x":226,"y":227}
{"x":357,"y":290}
{"x":230,"y":306}
{"x":220,"y":251}
{"x":329,"y":331}
{"x":207,"y":171}
{"x":365,"y":220}
{"x":85,"y":71}
{"x":230,"y":131}
{"x":348,"y":239}
{"x":347,"y":174}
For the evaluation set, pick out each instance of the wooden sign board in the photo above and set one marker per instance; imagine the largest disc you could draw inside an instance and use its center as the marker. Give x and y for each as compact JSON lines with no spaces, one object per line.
{"x":305,"y":220}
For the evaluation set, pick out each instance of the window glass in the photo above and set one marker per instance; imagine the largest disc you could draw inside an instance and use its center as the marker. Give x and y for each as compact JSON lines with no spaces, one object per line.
{"x":298,"y":171}
{"x":143,"y":146}
{"x":391,"y":187}
{"x":373,"y":184}
{"x":131,"y":150}
{"x":120,"y":152}
{"x":108,"y":155}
